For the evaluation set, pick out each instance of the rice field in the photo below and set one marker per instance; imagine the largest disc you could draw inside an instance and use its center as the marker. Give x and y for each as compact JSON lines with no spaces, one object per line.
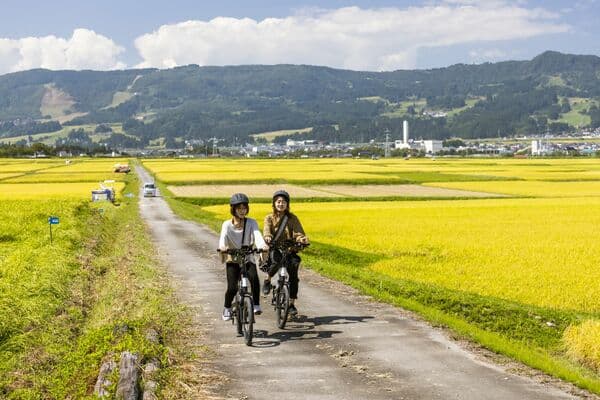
{"x":535,"y":250}
{"x":56,"y":179}
{"x":322,"y":191}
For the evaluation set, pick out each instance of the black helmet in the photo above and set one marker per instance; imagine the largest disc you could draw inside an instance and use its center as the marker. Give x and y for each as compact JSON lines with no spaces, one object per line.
{"x":238,"y":198}
{"x":283,"y":194}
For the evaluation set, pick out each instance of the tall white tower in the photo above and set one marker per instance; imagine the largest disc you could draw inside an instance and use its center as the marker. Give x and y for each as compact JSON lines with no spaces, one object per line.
{"x":405,"y":132}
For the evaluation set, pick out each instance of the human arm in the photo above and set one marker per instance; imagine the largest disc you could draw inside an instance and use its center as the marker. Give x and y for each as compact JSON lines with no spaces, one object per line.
{"x":223,"y":236}
{"x":268,"y":229}
{"x":297,"y":230}
{"x":259,"y":241}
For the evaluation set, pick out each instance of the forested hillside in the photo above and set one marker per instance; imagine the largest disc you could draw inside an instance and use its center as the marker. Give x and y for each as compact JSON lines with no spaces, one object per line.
{"x":552,"y":92}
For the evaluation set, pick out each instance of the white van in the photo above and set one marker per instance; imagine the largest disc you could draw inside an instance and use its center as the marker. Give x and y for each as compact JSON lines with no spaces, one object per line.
{"x":149,"y":189}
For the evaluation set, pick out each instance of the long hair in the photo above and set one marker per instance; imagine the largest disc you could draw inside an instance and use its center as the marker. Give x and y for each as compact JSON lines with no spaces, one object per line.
{"x":287,"y":210}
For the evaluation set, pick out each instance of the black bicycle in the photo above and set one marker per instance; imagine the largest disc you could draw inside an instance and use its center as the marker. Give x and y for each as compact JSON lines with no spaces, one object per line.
{"x":243,"y":306}
{"x":281,"y":292}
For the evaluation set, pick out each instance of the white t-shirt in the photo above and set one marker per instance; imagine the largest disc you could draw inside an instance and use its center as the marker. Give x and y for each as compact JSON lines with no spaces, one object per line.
{"x":231,"y":237}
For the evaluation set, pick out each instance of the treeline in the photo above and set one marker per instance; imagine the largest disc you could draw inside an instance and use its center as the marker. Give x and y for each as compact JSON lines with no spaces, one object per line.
{"x":11,"y":128}
{"x":36,"y":149}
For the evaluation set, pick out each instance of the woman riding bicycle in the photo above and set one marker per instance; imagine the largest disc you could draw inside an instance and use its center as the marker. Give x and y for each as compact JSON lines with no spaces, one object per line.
{"x":292,"y":230}
{"x":237,"y":232}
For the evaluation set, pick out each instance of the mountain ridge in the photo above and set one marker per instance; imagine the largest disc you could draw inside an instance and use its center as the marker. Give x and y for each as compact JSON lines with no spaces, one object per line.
{"x":233,"y":102}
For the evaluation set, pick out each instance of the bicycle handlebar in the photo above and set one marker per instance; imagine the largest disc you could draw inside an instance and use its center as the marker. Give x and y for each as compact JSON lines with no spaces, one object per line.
{"x":290,"y":244}
{"x":243,"y":251}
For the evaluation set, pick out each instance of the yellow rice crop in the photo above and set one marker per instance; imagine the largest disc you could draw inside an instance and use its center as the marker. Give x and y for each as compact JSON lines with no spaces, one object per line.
{"x":534,"y":251}
{"x":528,"y":188}
{"x":65,"y":177}
{"x":27,"y":165}
{"x":25,"y":191}
{"x":583,"y":343}
{"x":210,"y":170}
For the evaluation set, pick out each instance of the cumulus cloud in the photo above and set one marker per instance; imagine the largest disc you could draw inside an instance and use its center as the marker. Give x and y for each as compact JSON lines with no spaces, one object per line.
{"x":84,"y":50}
{"x":351,"y":37}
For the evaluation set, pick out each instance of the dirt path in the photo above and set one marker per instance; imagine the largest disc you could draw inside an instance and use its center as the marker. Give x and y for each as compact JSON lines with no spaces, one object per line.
{"x":343,"y":346}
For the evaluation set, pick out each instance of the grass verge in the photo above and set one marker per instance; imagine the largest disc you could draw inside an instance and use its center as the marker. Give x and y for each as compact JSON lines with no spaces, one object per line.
{"x":108,"y":293}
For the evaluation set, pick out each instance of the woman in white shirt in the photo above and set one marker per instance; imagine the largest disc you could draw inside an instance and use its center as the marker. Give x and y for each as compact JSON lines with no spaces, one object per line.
{"x":231,"y":238}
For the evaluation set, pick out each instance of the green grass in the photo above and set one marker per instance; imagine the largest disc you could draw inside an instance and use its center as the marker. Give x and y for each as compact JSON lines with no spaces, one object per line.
{"x":90,"y":295}
{"x":401,"y":109}
{"x":469,"y":103}
{"x":577,"y":117}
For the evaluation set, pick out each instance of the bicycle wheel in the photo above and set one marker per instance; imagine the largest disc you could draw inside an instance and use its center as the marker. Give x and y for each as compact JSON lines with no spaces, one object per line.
{"x":238,"y":316}
{"x":283,"y":305}
{"x":248,"y":319}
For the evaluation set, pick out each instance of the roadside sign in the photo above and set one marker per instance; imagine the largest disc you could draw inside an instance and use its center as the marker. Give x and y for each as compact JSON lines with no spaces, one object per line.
{"x":52,"y":221}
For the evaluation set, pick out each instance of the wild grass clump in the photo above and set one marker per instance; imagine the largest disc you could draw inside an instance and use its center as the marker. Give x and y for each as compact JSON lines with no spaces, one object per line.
{"x":582,"y":342}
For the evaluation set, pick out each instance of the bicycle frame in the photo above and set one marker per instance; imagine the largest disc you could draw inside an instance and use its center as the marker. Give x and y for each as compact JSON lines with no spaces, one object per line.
{"x":243,"y":306}
{"x":281,"y":293}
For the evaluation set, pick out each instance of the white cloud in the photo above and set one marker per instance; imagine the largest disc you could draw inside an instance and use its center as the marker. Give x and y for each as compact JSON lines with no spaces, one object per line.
{"x":84,"y":50}
{"x":353,"y":38}
{"x":488,"y":55}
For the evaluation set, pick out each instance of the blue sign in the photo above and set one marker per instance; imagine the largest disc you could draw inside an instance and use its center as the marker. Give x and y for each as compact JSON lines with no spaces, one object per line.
{"x":53,"y":220}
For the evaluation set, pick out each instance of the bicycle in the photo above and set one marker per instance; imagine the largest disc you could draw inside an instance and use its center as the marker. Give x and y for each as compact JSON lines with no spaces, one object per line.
{"x":242,"y":305}
{"x":281,"y":292}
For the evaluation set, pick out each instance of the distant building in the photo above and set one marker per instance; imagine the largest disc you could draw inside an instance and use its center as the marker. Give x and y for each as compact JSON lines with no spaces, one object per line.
{"x":538,"y":148}
{"x":432,"y":146}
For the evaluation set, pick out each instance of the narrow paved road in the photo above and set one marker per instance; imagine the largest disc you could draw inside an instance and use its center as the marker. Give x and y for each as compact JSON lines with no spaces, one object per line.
{"x":343,"y":346}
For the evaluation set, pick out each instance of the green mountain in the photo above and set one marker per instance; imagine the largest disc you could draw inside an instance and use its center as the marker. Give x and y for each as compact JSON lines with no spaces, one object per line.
{"x":553,"y":91}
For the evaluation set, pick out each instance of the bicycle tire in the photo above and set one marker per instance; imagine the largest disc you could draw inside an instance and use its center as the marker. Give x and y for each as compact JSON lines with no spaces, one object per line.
{"x":248,"y":320}
{"x":238,"y":316}
{"x":283,"y":305}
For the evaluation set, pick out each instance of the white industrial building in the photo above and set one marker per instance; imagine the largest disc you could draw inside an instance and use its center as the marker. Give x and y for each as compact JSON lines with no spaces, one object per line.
{"x":432,"y":146}
{"x":538,"y":148}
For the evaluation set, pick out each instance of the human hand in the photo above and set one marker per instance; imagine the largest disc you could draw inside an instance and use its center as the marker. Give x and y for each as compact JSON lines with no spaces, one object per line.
{"x":302,"y":240}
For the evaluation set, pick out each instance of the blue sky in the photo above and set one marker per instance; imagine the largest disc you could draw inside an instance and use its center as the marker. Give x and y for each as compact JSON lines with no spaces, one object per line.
{"x":360,"y":35}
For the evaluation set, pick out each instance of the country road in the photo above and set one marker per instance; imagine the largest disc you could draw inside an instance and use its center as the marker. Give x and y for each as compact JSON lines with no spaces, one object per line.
{"x":342,"y":346}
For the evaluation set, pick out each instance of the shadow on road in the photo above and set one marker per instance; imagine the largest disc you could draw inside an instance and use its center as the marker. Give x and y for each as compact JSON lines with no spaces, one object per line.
{"x":303,"y":328}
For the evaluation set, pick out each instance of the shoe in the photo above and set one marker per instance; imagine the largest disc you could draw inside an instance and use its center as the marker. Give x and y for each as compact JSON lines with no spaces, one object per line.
{"x":226,"y":314}
{"x":293,"y":310}
{"x":257,"y":309}
{"x":266,"y":287}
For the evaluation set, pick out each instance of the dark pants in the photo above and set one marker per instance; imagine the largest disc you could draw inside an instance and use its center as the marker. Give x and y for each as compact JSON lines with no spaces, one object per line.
{"x":233,"y":275}
{"x":293,"y":263}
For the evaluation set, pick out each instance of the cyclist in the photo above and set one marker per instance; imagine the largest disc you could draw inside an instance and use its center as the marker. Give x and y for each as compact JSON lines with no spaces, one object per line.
{"x":237,"y":232}
{"x":291,"y":231}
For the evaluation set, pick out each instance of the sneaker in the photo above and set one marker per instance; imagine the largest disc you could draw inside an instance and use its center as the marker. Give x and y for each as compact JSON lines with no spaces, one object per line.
{"x":257,"y":309}
{"x":226,"y":314}
{"x":266,"y":287}
{"x":293,"y":310}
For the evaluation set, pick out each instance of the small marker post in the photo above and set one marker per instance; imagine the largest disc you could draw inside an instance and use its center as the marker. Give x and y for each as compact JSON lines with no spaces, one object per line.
{"x":52,"y":221}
